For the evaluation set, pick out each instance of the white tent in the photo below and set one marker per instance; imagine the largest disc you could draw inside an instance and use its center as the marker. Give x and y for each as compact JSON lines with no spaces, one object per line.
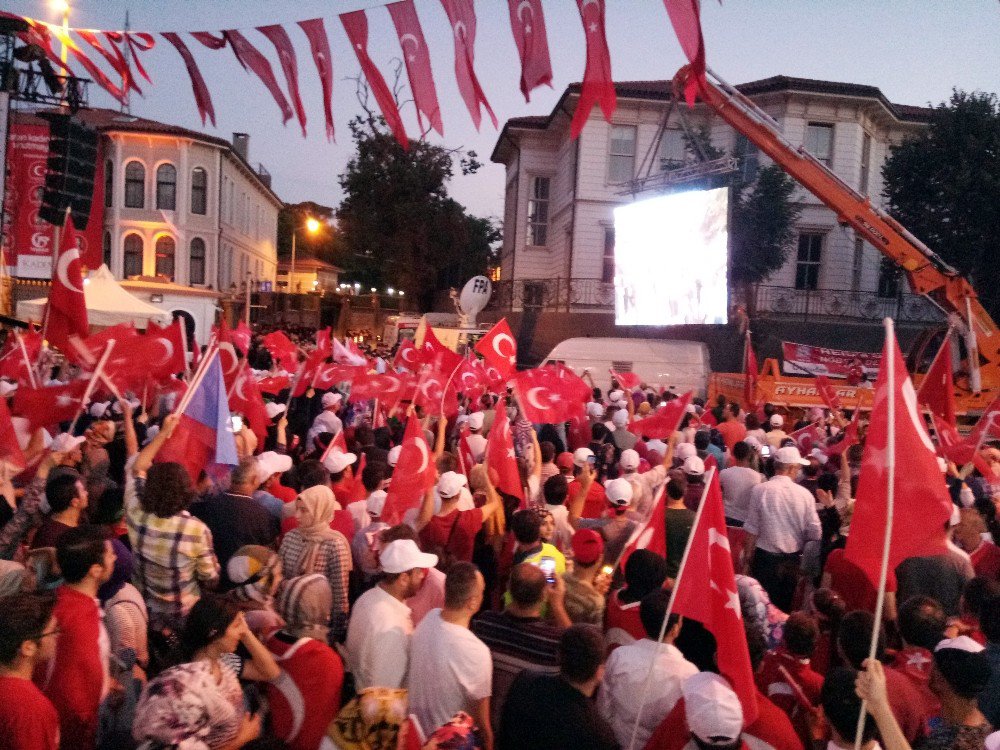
{"x":107,"y":304}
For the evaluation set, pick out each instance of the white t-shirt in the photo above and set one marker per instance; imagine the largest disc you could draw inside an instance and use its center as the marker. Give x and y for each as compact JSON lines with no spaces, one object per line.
{"x":736,"y":483}
{"x":477,"y":444}
{"x":359,"y":514}
{"x":378,"y":640}
{"x":450,"y":671}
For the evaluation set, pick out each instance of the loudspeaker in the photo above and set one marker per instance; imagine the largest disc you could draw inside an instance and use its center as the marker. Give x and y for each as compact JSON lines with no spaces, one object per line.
{"x":69,"y":179}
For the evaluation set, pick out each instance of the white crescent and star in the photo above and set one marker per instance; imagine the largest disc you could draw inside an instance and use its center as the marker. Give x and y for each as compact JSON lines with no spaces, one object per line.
{"x":168,"y":348}
{"x":533,"y":398}
{"x":461,"y":32}
{"x":512,"y":356}
{"x":62,"y":269}
{"x":238,"y":388}
{"x":422,"y":447}
{"x":531,"y":14}
{"x":416,"y":45}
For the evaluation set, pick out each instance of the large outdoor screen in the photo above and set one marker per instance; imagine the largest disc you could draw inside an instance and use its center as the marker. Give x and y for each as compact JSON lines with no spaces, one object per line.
{"x":671,"y":259}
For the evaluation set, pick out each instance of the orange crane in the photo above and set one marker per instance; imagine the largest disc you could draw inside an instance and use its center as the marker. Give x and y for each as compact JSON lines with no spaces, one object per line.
{"x":927,"y":272}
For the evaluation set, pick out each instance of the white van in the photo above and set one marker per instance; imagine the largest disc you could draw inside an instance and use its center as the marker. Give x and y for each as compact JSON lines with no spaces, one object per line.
{"x":684,"y":365}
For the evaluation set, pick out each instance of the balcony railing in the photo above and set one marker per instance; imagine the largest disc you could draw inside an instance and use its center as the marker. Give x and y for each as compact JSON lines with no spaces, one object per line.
{"x":581,"y":295}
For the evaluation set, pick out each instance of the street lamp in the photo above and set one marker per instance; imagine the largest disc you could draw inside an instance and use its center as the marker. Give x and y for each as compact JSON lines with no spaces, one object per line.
{"x":312,"y":226}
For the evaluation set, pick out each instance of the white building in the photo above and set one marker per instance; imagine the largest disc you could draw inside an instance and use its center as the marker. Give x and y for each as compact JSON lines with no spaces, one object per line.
{"x":558,"y":246}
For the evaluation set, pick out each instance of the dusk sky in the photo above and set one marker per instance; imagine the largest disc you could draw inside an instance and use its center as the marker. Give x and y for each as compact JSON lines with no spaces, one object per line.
{"x":915,"y":51}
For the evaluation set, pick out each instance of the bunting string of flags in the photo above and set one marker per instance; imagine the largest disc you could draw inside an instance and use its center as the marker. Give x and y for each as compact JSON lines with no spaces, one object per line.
{"x":115,"y":59}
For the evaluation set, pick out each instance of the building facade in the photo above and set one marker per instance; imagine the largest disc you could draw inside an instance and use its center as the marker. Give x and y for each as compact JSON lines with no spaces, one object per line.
{"x":558,"y":246}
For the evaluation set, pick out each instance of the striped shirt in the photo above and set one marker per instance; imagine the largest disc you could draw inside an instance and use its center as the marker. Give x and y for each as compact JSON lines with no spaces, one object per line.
{"x":174,"y":557}
{"x":333,"y":559}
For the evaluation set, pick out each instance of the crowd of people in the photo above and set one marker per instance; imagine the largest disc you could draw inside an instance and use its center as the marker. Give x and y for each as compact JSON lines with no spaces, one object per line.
{"x":271,"y":606}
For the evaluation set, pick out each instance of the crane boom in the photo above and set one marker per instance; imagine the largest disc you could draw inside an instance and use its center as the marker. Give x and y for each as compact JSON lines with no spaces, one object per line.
{"x":928,"y":273}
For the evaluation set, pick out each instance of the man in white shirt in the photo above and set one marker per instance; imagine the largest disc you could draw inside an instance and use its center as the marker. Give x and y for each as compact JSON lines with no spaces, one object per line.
{"x":476,"y":441}
{"x":327,"y":420}
{"x":780,"y":520}
{"x":737,"y":481}
{"x":378,"y":636}
{"x":777,"y":434}
{"x":451,"y":670}
{"x":646,"y":484}
{"x":627,"y":668}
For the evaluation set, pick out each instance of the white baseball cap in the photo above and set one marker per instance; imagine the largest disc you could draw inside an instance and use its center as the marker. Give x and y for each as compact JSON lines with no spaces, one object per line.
{"x":656,"y":446}
{"x":620,"y":418}
{"x":393,"y":457}
{"x":629,"y":460}
{"x":450,"y":484}
{"x":684,"y":451}
{"x":789,"y":455}
{"x":819,"y":455}
{"x":7,"y":388}
{"x":376,"y":502}
{"x":336,"y":461}
{"x":97,"y":409}
{"x":270,"y":463}
{"x":694,"y":465}
{"x":714,"y":713}
{"x":273,"y":409}
{"x":777,"y":420}
{"x":403,"y":555}
{"x":581,"y":456}
{"x":616,"y":395}
{"x":64,"y":442}
{"x":476,"y":420}
{"x":594,"y":409}
{"x":619,"y":492}
{"x":330,"y":398}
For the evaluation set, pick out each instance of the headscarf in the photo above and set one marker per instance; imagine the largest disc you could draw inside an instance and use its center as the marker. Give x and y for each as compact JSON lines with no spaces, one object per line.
{"x":305,"y":603}
{"x":12,"y":577}
{"x":120,"y":574}
{"x":371,"y":721}
{"x":252,"y":569}
{"x":319,"y":504}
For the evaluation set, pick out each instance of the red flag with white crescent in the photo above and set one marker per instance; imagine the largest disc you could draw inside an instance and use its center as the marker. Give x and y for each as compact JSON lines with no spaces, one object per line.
{"x":319,"y":45}
{"x":415,"y":473}
{"x":462,"y":17}
{"x":527,"y":22}
{"x":652,"y":533}
{"x":245,"y":399}
{"x":598,"y":86}
{"x":356,"y":26}
{"x":664,"y":422}
{"x":49,"y":405}
{"x":850,"y":437}
{"x":66,"y":313}
{"x":437,"y":355}
{"x":277,"y":35}
{"x":202,"y":99}
{"x":500,"y":453}
{"x":827,"y":393}
{"x":250,"y":57}
{"x":499,"y":348}
{"x":809,"y":437}
{"x":418,"y":63}
{"x":18,"y":355}
{"x":627,"y":380}
{"x":407,"y":356}
{"x":10,"y":449}
{"x":166,"y":349}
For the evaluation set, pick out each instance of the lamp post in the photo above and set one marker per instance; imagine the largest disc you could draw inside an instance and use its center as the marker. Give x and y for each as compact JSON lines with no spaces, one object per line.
{"x":62,"y":7}
{"x":312,"y":226}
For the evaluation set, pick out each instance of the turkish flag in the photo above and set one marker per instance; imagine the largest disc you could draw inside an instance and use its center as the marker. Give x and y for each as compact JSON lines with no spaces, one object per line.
{"x":685,"y":15}
{"x":922,"y":504}
{"x":651,"y":534}
{"x":751,"y":371}
{"x":49,"y":405}
{"x":471,"y":379}
{"x":324,"y":339}
{"x":282,"y":349}
{"x":240,"y":336}
{"x":168,"y":345}
{"x":250,"y":57}
{"x":437,"y":355}
{"x":500,"y":453}
{"x":277,"y":35}
{"x":527,"y":21}
{"x":328,"y":376}
{"x":499,"y":348}
{"x":434,"y":390}
{"x":417,"y":59}
{"x":347,"y":356}
{"x":407,"y":356}
{"x":850,"y":437}
{"x":10,"y":450}
{"x":112,"y":55}
{"x":86,"y":352}
{"x":809,"y":437}
{"x":18,"y":354}
{"x":663,"y":423}
{"x":951,"y":445}
{"x":66,"y":312}
{"x":415,"y":473}
{"x":229,"y":362}
{"x":466,"y":459}
{"x":202,"y":99}
{"x":274,"y":384}
{"x":245,"y":399}
{"x":986,"y":428}
{"x":598,"y":86}
{"x":370,"y":386}
{"x":541,"y":396}
{"x":319,"y":45}
{"x":627,"y":380}
{"x":937,"y":391}
{"x":705,"y":590}
{"x":462,"y":17}
{"x":356,"y":26}
{"x":827,"y":393}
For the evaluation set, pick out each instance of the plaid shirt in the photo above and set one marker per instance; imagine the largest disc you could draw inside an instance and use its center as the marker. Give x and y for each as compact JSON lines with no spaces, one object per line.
{"x":333,"y":559}
{"x":26,"y":517}
{"x":174,"y":557}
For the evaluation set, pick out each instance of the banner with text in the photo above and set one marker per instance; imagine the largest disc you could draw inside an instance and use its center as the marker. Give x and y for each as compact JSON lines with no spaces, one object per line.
{"x":806,"y":359}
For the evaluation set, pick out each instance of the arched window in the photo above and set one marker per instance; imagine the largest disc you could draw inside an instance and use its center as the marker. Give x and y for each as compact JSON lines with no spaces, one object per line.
{"x":135,"y":185}
{"x":132,"y":256}
{"x":197,"y":264}
{"x":165,"y":246}
{"x":199,"y":191}
{"x":109,"y":183}
{"x":166,"y":187}
{"x":106,"y":249}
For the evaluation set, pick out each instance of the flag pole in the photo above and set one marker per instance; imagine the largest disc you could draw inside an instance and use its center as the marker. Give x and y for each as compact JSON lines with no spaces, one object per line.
{"x":670,"y":605}
{"x":98,"y":373}
{"x":444,"y":389}
{"x":199,"y":375}
{"x":27,"y":362}
{"x":890,"y":499}
{"x":295,"y":384}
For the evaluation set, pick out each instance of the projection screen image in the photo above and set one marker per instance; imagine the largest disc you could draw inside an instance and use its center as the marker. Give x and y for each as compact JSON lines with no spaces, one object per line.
{"x":671,"y":259}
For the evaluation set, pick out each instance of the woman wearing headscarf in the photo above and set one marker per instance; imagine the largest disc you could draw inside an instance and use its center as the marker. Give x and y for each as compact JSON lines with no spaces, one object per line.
{"x":314,"y":547}
{"x":125,"y":616}
{"x":199,"y":705}
{"x":306,"y":697}
{"x":256,"y":573}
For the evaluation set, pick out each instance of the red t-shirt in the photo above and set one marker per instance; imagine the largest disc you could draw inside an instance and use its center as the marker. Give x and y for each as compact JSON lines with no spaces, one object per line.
{"x":906,"y":704}
{"x":283,"y":493}
{"x":596,"y":502}
{"x":306,"y":697}
{"x":914,"y":663}
{"x":848,"y":580}
{"x":986,"y":560}
{"x":732,"y":433}
{"x":455,"y":532}
{"x":28,"y":721}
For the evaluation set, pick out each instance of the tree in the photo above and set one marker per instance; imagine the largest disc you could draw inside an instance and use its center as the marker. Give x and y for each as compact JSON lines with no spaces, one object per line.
{"x":325,"y":244}
{"x":399,"y":226}
{"x":944,"y":186}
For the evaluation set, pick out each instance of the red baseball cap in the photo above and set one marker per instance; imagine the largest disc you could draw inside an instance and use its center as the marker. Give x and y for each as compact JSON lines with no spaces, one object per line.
{"x":564,"y":460}
{"x":588,"y":546}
